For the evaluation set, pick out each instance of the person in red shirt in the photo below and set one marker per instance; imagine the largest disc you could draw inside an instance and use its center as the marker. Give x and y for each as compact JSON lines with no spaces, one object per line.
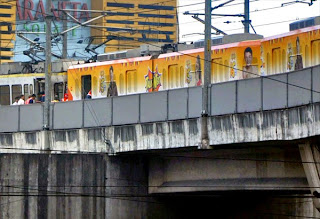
{"x":65,"y":97}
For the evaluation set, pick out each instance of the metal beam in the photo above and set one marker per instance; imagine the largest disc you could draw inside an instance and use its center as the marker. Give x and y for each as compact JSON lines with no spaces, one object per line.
{"x":82,"y":24}
{"x":309,"y":160}
{"x":212,"y":27}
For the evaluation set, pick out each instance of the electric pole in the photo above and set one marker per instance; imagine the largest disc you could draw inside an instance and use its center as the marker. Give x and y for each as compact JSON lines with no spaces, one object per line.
{"x":247,"y":16}
{"x":46,"y":113}
{"x":205,"y":144}
{"x":65,"y":37}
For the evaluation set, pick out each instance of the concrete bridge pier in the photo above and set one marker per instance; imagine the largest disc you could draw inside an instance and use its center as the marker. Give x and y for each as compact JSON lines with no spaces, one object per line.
{"x":310,"y":157}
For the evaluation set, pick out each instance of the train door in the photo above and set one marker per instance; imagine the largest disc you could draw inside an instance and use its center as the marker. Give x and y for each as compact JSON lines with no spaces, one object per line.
{"x":59,"y":90}
{"x":39,"y":86}
{"x":132,"y":83}
{"x":216,"y":70}
{"x":173,"y":79}
{"x":85,"y":85}
{"x":276,"y":60}
{"x":315,"y":52}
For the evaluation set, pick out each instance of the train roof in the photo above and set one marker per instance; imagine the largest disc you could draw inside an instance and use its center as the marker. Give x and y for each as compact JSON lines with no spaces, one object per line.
{"x":223,"y":46}
{"x":291,"y":33}
{"x":119,"y":61}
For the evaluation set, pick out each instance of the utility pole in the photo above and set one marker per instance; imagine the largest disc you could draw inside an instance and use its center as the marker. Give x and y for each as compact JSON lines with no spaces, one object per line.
{"x":205,"y":143}
{"x":65,"y":37}
{"x":46,"y":114}
{"x":247,"y":16}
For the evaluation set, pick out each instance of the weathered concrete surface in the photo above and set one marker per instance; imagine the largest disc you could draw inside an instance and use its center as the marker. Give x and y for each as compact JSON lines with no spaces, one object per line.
{"x":235,"y":169}
{"x":288,"y":124}
{"x":75,"y":186}
{"x":50,"y":186}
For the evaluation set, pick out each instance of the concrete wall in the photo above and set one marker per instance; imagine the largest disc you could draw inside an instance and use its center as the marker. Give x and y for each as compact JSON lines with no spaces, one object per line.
{"x":289,"y":124}
{"x":45,"y":186}
{"x":75,"y":186}
{"x":250,"y":168}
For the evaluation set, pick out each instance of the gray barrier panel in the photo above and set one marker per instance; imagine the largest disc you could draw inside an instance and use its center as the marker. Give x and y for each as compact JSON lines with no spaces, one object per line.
{"x":126,"y":110}
{"x":153,"y":107}
{"x":67,"y":115}
{"x":178,"y":104}
{"x":31,"y":117}
{"x":274,"y":92}
{"x":316,"y":84}
{"x":223,"y":98}
{"x":249,"y":95}
{"x":97,"y":112}
{"x":299,"y":95}
{"x":9,"y":118}
{"x":195,"y":102}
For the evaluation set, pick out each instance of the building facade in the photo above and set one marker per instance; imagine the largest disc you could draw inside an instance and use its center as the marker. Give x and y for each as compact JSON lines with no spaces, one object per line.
{"x":127,"y":24}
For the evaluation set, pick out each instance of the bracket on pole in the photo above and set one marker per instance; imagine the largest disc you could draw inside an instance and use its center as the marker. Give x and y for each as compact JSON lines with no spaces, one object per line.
{"x":218,"y":31}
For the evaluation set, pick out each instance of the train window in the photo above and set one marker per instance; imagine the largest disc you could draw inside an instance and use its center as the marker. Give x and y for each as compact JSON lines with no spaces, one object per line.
{"x":58,"y":90}
{"x":181,"y":76}
{"x":164,"y":79}
{"x":5,"y":95}
{"x":131,"y":81}
{"x":26,"y":90}
{"x":122,"y":84}
{"x":16,"y":91}
{"x":31,"y":89}
{"x":85,"y":85}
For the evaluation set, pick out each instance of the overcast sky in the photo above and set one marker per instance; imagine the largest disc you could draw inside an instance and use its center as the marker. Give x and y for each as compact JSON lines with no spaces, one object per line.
{"x":267,"y":16}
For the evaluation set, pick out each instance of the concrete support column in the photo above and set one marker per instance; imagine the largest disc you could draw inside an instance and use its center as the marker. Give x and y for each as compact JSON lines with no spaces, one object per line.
{"x":127,"y":190}
{"x":310,"y":156}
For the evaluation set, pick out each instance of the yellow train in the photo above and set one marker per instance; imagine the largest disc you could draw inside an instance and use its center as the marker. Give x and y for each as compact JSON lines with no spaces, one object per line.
{"x":232,"y":61}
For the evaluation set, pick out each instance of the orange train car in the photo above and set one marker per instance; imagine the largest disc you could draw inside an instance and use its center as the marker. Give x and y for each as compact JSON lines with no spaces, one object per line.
{"x":240,"y":60}
{"x":111,"y":78}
